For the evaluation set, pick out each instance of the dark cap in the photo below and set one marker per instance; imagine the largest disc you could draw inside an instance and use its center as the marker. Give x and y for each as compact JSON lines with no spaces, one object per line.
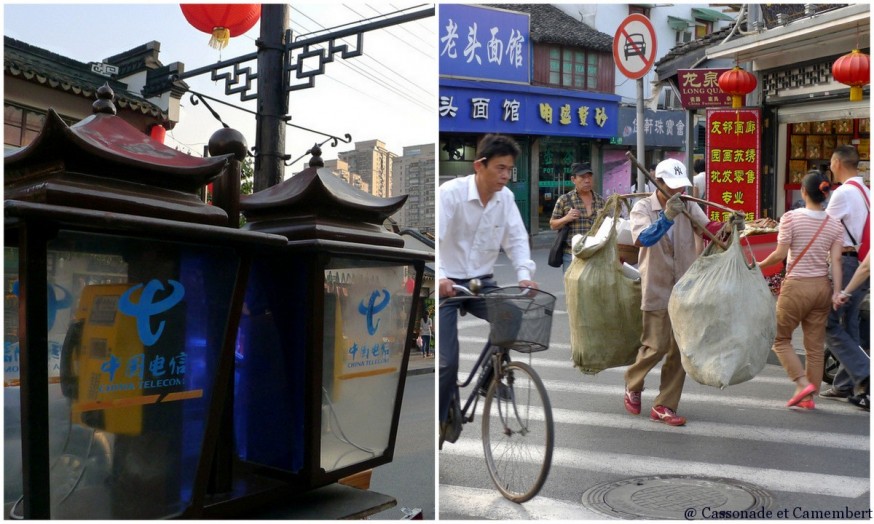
{"x":581,"y":168}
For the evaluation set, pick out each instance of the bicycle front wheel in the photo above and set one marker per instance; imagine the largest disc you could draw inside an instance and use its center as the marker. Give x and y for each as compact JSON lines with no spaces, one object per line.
{"x":518,"y":432}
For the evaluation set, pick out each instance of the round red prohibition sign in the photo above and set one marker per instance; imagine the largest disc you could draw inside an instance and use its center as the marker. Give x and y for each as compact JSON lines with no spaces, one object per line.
{"x":634,"y":46}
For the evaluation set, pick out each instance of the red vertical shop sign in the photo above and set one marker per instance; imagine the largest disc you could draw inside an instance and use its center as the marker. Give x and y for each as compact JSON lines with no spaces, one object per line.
{"x":734,"y":145}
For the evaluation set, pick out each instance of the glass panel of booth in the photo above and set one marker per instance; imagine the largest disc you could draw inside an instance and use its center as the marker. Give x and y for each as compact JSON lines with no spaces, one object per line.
{"x":135,"y":329}
{"x":367,"y":311}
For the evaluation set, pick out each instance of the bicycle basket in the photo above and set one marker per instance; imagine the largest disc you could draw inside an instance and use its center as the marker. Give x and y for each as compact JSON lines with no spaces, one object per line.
{"x":520,"y":318}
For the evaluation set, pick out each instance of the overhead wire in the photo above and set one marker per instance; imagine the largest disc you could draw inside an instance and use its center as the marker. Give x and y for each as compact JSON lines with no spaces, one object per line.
{"x":430,"y":56}
{"x":369,"y":75}
{"x":427,"y":52}
{"x":363,"y":72}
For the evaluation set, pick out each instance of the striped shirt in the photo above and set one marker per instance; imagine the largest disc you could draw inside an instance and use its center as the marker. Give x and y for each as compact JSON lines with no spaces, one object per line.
{"x":797,"y":227}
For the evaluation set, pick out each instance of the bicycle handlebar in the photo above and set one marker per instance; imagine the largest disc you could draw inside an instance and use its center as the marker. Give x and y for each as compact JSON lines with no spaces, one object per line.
{"x":493,"y":293}
{"x":463,"y":290}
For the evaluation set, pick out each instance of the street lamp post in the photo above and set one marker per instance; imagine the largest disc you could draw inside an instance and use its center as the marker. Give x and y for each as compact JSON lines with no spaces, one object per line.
{"x":272,"y":99}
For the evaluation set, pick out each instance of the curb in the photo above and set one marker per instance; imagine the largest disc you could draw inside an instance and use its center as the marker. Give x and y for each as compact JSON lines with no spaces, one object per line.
{"x":419,"y":371}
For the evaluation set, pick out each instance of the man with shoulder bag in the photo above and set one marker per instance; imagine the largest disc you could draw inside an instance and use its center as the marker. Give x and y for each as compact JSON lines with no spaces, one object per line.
{"x":849,"y":204}
{"x":576,"y":210}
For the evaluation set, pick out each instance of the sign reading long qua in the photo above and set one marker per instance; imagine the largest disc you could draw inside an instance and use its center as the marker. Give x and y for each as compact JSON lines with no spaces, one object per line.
{"x":733,"y":165}
{"x":699,"y":88}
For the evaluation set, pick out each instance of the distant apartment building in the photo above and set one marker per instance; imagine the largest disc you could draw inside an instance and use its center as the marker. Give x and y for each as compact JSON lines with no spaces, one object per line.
{"x":341,"y":169}
{"x":373,"y":163}
{"x":414,"y":174}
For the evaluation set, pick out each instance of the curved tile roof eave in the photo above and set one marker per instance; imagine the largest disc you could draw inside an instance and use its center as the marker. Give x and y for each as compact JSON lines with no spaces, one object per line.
{"x":76,"y":88}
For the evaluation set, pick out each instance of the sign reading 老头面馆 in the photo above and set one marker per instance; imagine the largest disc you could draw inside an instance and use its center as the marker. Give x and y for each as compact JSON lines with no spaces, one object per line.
{"x":484,"y":43}
{"x":733,"y":159}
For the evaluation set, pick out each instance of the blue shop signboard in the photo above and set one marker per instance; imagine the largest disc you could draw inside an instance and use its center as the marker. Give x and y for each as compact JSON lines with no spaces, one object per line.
{"x":660,"y":128}
{"x":480,"y":107}
{"x":484,"y":43}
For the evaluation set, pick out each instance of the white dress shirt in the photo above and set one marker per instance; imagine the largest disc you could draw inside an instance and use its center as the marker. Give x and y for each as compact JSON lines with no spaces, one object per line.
{"x":471,"y":235}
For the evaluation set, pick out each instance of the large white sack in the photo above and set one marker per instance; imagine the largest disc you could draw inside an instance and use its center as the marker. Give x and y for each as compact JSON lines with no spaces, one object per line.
{"x":724,"y":317}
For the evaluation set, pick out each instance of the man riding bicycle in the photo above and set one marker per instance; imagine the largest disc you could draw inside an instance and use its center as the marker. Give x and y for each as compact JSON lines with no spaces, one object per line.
{"x":478,"y":217}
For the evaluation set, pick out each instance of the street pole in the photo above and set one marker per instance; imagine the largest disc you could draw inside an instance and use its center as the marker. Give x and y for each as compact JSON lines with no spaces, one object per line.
{"x":272,"y":98}
{"x":641,"y":181}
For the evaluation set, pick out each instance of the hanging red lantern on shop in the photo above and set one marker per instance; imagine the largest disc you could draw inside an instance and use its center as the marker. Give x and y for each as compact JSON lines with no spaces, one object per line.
{"x":222,"y":21}
{"x":737,"y":83}
{"x":853,"y":70}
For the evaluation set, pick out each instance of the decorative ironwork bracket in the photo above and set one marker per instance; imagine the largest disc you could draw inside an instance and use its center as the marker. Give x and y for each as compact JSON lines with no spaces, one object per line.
{"x":239,"y":77}
{"x":197,"y":98}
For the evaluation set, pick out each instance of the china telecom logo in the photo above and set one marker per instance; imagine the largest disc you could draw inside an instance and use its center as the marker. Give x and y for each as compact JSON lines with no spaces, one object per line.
{"x":146,"y":308}
{"x":372,"y":308}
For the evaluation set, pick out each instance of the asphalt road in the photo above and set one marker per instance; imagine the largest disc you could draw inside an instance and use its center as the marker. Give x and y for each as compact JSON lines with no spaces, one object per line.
{"x":410,"y":476}
{"x":815,"y":461}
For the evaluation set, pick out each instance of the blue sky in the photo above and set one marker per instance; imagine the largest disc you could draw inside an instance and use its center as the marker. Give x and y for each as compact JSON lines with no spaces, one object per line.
{"x":388,"y":94}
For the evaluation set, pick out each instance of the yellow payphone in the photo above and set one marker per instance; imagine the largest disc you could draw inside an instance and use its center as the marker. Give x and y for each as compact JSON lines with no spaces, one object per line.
{"x":102,"y":362}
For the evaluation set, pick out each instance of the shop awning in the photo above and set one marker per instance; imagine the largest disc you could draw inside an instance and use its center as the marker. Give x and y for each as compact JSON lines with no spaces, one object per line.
{"x":679,"y":24}
{"x":709,"y":15}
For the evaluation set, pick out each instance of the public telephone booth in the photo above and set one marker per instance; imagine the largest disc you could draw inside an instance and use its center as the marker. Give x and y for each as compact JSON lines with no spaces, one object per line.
{"x":161,"y":363}
{"x":323,"y":344}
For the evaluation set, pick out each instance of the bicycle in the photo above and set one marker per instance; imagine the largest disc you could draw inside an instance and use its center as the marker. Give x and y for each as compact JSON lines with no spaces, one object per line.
{"x":517,"y":425}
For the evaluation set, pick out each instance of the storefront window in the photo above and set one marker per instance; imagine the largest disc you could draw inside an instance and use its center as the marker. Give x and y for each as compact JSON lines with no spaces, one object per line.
{"x":556,"y":158}
{"x":811,"y":145}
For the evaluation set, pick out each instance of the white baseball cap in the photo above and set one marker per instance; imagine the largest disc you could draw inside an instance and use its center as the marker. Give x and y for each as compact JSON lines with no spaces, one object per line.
{"x":673,"y":172}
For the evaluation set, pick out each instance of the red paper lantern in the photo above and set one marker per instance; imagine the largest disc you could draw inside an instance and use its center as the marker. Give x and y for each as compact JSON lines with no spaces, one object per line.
{"x":853,"y":69}
{"x":223,"y":21}
{"x":737,"y":83}
{"x":158,"y":133}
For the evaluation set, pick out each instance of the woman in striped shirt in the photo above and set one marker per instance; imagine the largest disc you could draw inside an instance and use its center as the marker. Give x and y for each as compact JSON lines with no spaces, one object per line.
{"x":812,"y":241}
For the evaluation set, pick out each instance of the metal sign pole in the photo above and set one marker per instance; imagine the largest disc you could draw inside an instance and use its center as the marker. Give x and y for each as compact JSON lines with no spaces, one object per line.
{"x":641,"y":181}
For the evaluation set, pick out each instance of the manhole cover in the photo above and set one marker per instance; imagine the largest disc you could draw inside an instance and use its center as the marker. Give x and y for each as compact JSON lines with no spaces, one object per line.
{"x":678,"y":497}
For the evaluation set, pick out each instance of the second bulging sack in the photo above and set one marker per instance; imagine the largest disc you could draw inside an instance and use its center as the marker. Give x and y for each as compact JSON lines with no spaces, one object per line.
{"x":723,"y":316}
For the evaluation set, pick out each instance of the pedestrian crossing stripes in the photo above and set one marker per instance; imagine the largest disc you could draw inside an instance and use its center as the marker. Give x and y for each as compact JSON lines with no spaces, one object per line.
{"x":628,"y":465}
{"x":610,"y":382}
{"x":703,"y":429}
{"x":481,"y":503}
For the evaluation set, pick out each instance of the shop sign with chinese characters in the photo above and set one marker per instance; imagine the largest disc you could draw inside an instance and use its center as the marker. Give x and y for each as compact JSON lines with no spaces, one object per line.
{"x":484,"y":43}
{"x":732,"y":155}
{"x":470,"y":107}
{"x":699,"y":89}
{"x":660,"y":128}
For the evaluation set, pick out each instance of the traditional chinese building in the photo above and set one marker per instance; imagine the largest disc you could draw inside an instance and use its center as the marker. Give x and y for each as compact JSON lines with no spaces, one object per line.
{"x":806,"y":113}
{"x":532,"y":72}
{"x":35,"y":79}
{"x":803,"y":112}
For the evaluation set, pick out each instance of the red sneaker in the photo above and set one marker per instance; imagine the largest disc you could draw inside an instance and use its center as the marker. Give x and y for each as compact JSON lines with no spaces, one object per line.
{"x":666,"y":415}
{"x":632,"y":402}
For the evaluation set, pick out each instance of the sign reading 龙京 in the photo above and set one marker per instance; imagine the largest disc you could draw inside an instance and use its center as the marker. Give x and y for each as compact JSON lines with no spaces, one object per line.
{"x":733,"y":166}
{"x":484,"y":43}
{"x":699,"y":88}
